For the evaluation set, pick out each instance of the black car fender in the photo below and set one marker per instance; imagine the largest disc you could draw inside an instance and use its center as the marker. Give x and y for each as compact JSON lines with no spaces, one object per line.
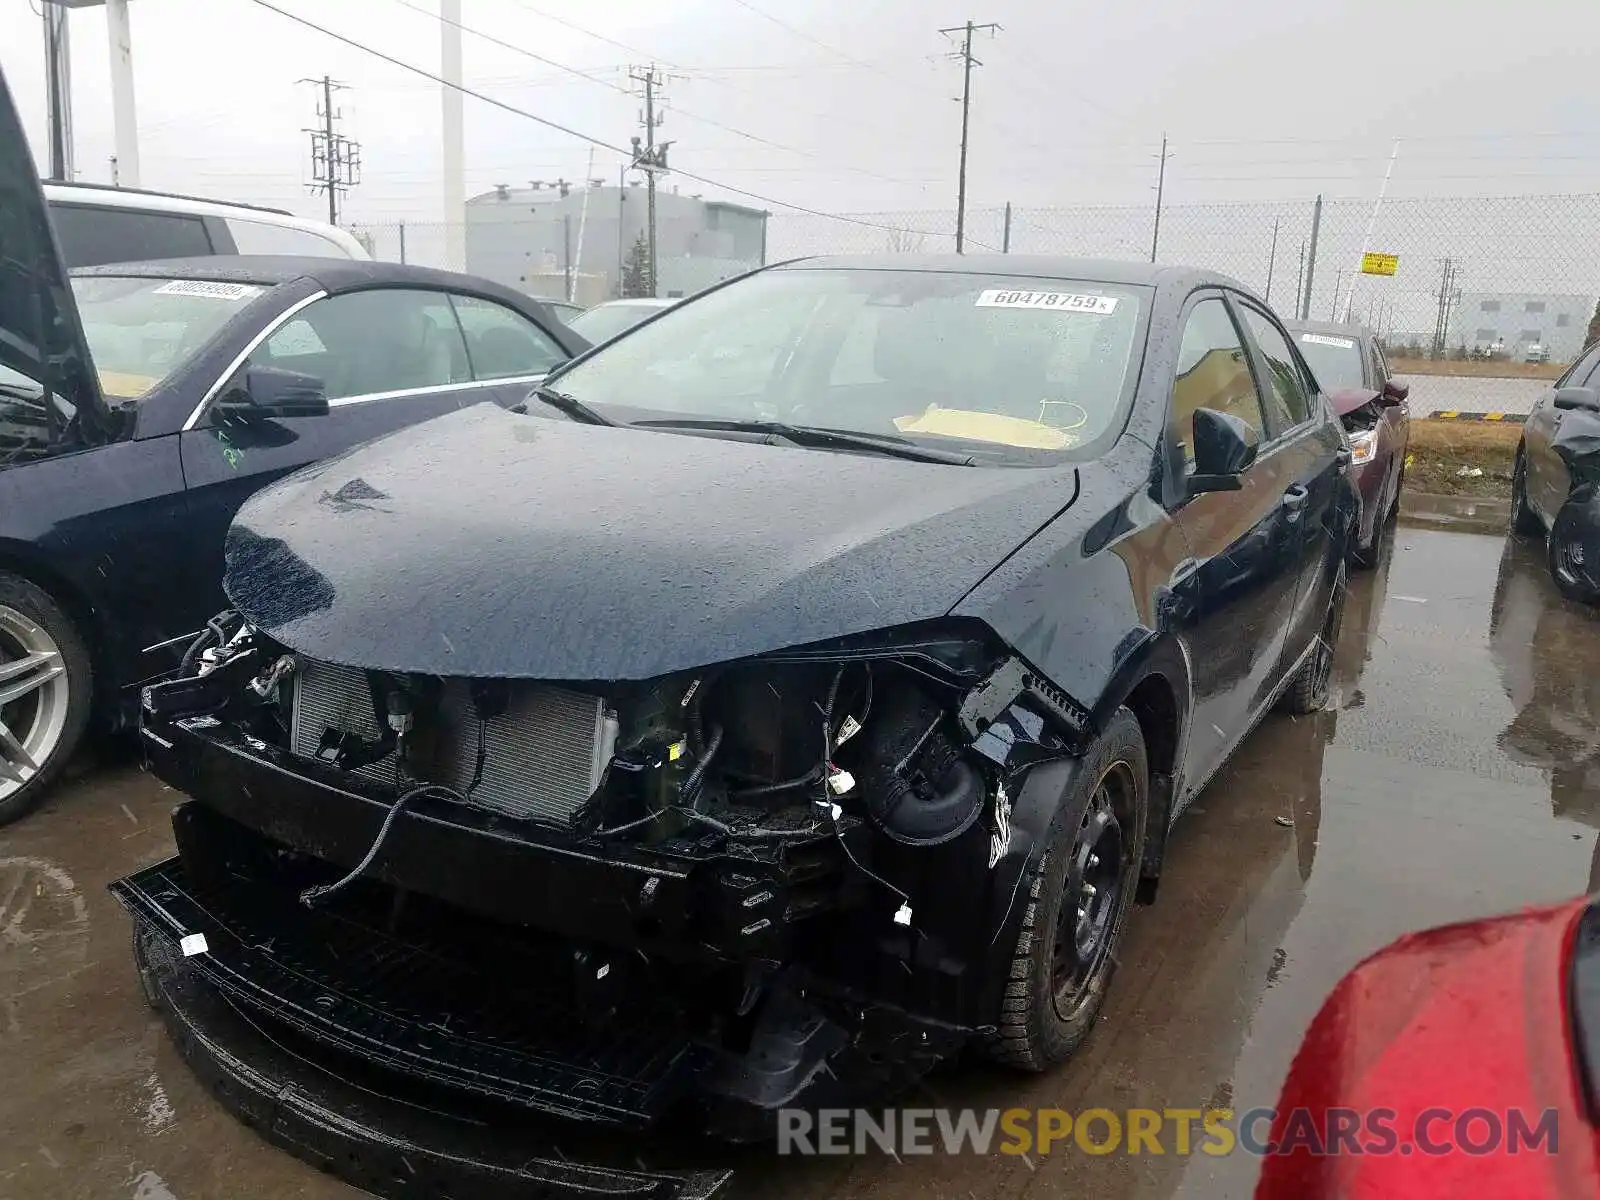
{"x":1153,"y":680}
{"x":1035,"y":809}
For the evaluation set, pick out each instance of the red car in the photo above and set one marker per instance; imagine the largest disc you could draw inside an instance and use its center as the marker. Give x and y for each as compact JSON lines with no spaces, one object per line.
{"x":1460,"y":1061}
{"x":1348,"y":362}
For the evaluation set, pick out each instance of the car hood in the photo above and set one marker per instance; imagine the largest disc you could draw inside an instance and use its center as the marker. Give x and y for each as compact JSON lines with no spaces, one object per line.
{"x":1346,"y":400}
{"x":487,"y":543}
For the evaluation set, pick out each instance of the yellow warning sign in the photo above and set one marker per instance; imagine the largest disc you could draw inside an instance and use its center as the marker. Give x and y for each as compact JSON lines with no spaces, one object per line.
{"x":1380,"y":264}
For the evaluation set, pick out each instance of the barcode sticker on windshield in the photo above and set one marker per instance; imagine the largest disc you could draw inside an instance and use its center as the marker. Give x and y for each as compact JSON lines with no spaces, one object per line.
{"x":1317,"y":339}
{"x":207,"y":289}
{"x":1057,"y":301}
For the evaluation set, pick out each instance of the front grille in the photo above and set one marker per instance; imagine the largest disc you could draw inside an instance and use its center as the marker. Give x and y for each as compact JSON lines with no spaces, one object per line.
{"x":470,"y":1008}
{"x":543,"y":756}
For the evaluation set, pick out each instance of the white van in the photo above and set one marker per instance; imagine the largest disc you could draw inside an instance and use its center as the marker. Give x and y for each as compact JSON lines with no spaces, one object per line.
{"x":96,"y":224}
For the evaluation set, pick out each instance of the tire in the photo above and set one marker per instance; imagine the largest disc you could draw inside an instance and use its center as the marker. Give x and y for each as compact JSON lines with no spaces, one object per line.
{"x":1052,"y":1000}
{"x":1393,"y":515}
{"x":1524,"y":521}
{"x":1308,"y":693}
{"x":1569,"y":553}
{"x":46,"y":693}
{"x":1364,"y":558}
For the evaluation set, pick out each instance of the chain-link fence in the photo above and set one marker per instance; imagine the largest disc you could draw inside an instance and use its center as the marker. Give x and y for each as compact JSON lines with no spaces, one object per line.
{"x":1473,"y":272}
{"x":1515,"y":276}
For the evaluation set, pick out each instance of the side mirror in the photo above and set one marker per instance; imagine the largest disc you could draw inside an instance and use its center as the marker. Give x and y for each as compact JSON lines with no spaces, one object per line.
{"x":1394,"y":392}
{"x":1224,"y":448}
{"x":273,"y":392}
{"x":1578,"y":398}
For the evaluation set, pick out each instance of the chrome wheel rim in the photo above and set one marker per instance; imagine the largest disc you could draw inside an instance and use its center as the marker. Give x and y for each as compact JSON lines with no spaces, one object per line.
{"x":33,"y":699}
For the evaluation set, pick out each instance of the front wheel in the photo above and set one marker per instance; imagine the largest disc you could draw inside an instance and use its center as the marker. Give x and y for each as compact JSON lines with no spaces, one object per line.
{"x":1574,"y":549}
{"x":46,"y":686}
{"x":1079,"y":895}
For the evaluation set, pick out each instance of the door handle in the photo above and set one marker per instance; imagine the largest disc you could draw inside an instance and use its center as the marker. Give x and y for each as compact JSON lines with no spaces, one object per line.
{"x":1294,"y":500}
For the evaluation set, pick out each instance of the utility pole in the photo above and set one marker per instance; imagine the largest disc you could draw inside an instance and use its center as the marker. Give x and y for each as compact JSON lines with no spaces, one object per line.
{"x":964,"y":57}
{"x":1272,"y":258}
{"x":335,"y":159}
{"x":58,"y":90}
{"x":1311,"y":260}
{"x":1161,"y":187}
{"x":124,"y":116}
{"x":1447,"y":282}
{"x":647,"y":155}
{"x":1300,"y":280}
{"x":452,"y":142}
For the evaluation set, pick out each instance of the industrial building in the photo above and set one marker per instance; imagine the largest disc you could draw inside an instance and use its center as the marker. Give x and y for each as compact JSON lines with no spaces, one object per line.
{"x":1514,"y":321}
{"x":560,"y":240}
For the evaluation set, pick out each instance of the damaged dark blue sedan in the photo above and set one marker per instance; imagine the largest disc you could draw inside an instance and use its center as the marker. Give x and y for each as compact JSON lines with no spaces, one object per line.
{"x":798,"y":689}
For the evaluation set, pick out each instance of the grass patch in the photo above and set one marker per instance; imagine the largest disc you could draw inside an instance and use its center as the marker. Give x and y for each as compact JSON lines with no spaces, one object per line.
{"x":1440,"y":449}
{"x":1494,"y":369}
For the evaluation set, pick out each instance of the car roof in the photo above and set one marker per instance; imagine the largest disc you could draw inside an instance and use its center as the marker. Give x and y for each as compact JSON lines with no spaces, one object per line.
{"x":1349,"y":329}
{"x":75,"y":191}
{"x":333,"y":275}
{"x":1044,"y":266}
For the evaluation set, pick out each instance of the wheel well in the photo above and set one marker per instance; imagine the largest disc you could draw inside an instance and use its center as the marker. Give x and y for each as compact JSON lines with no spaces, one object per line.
{"x":1155,"y":705}
{"x":77,"y":606}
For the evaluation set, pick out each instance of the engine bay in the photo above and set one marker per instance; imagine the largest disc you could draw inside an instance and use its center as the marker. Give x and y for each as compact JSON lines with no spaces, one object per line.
{"x":764,"y":865}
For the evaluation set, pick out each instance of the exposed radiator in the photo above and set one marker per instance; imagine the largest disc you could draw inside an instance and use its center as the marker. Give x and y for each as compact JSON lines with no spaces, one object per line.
{"x":542,"y":757}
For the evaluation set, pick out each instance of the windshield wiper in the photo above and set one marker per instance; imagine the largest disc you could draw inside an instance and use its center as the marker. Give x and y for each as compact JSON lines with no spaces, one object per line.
{"x":819,"y":438}
{"x":571,"y":405}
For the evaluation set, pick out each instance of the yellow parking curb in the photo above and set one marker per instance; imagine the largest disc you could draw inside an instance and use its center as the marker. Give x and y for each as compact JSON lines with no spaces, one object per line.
{"x":1454,"y":415}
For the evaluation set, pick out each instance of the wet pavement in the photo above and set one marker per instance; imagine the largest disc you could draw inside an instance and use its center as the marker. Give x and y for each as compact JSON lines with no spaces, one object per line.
{"x":1457,"y":776}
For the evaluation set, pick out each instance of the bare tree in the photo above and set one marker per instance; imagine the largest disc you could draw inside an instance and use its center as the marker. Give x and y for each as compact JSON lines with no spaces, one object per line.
{"x":904,"y":241}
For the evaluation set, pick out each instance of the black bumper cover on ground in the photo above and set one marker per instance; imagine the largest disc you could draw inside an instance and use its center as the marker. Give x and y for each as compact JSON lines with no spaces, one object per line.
{"x":363,"y":1134}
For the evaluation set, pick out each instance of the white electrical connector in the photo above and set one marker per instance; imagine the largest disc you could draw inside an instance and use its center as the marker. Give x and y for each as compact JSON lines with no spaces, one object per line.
{"x":841,"y":782}
{"x":902,"y":915}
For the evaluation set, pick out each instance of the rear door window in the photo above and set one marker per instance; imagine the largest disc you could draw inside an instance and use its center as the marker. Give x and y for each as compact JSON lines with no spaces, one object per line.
{"x":264,"y":237}
{"x":502,"y":344}
{"x":367,"y":343}
{"x":91,"y":235}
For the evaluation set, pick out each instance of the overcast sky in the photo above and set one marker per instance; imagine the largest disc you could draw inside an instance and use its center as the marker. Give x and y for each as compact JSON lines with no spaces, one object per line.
{"x":847,"y":105}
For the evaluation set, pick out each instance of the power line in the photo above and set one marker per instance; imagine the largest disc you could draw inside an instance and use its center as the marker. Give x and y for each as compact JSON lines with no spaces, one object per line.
{"x":590,"y":78}
{"x":568,"y":130}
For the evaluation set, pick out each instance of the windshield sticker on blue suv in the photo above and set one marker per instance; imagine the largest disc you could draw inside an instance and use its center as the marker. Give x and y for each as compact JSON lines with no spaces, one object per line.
{"x":1055,"y":301}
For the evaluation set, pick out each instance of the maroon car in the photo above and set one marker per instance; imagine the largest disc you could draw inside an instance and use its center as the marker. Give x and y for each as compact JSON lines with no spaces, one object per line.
{"x":1349,"y":363}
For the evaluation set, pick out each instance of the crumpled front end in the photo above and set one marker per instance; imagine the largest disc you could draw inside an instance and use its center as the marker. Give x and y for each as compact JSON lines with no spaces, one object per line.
{"x":684,"y":903}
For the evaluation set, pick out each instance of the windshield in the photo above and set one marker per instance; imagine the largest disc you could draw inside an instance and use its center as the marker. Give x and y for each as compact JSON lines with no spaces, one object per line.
{"x":140,"y":330}
{"x":605,"y":322}
{"x":1334,"y":360}
{"x":998,"y":364}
